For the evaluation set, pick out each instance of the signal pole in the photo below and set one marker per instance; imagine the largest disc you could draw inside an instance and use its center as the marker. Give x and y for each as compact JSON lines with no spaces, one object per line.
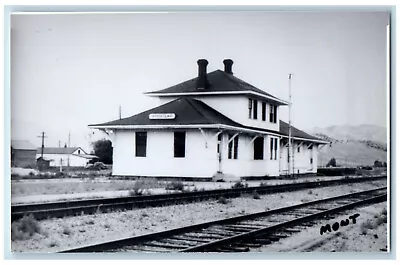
{"x":290,"y":150}
{"x":42,"y":136}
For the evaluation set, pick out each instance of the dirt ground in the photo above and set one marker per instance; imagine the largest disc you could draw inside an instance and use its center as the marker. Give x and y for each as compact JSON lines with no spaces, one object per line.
{"x":61,"y":234}
{"x":368,"y":234}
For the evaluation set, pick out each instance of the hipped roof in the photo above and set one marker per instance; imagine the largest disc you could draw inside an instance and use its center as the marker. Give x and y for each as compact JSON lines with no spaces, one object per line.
{"x":189,"y":111}
{"x":219,"y":82}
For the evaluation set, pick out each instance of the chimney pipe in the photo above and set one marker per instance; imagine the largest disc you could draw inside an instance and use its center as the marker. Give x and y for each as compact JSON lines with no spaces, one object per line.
{"x":202,"y":82}
{"x":228,"y":66}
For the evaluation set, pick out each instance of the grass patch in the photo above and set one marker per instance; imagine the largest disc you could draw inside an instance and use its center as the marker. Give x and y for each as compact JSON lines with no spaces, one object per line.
{"x":24,"y":228}
{"x":175,"y":185}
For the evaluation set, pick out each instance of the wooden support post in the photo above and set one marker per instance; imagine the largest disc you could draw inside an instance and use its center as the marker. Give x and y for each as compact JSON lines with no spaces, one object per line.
{"x":254,"y":138}
{"x":204,"y":136}
{"x":233,"y":137}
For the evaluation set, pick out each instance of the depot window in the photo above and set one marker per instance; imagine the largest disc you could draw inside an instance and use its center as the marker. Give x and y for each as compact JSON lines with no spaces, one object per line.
{"x":272,"y":113}
{"x":263,"y":111}
{"x":253,"y":109}
{"x":179,"y":144}
{"x":140,"y":144}
{"x":259,"y":148}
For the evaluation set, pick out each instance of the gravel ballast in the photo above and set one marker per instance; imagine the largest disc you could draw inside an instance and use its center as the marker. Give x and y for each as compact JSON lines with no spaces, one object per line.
{"x":71,"y":232}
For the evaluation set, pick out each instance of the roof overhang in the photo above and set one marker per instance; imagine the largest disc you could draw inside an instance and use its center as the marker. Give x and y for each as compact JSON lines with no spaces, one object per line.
{"x":307,"y":139}
{"x":173,"y":126}
{"x":247,"y":92}
{"x":197,"y":126}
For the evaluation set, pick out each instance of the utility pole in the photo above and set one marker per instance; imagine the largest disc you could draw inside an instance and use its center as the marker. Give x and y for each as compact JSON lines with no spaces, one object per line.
{"x":69,"y":145}
{"x":290,"y":148}
{"x":42,"y":136}
{"x":120,"y":112}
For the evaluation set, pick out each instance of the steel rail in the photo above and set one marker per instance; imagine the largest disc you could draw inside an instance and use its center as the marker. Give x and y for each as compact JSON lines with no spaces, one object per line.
{"x":212,"y":245}
{"x":91,"y":206}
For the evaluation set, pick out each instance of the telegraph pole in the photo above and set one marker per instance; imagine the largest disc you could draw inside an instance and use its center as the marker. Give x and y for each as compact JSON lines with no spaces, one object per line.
{"x":120,"y":112}
{"x":290,"y":153}
{"x":42,"y":136}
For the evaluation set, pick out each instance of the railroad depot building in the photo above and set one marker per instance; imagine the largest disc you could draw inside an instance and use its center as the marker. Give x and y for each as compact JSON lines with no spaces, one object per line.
{"x":213,"y":123}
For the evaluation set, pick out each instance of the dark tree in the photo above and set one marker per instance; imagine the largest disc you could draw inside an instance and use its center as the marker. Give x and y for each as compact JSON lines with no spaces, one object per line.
{"x":103,"y":149}
{"x":378,"y":163}
{"x":331,"y":163}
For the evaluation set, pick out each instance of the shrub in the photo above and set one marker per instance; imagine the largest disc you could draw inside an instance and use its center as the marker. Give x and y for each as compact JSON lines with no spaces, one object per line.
{"x":223,"y":200}
{"x":136,"y":192}
{"x":331,"y":163}
{"x":263,"y":184}
{"x":53,"y":244}
{"x":239,"y":185}
{"x":67,"y":231}
{"x":24,"y":228}
{"x":256,"y":196}
{"x":60,"y":174}
{"x":175,"y":185}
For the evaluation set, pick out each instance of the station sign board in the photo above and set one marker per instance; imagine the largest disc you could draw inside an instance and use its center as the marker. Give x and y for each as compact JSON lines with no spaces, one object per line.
{"x":162,"y":116}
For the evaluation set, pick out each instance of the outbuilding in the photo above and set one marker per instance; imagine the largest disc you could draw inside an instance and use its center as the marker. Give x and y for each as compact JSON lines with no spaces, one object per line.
{"x":214,"y":123}
{"x":23,"y":154}
{"x":65,"y":156}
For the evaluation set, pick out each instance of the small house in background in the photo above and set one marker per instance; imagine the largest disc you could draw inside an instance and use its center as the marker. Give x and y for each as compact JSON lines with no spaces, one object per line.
{"x":42,"y":163}
{"x":23,"y":154}
{"x":65,"y":156}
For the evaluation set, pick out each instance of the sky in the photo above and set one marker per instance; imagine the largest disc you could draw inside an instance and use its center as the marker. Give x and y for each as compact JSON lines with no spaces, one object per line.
{"x":72,"y":70}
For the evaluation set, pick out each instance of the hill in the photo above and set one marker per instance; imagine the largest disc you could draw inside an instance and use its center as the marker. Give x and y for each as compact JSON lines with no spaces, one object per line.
{"x":352,"y":145}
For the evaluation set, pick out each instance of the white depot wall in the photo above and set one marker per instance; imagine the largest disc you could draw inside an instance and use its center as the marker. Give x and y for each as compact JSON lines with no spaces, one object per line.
{"x":236,"y":108}
{"x":199,"y":161}
{"x":245,"y":165}
{"x":301,"y":159}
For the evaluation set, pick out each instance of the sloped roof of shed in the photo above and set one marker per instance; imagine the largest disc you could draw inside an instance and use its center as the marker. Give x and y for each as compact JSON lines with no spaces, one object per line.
{"x":22,"y":145}
{"x":284,"y":130}
{"x":58,"y":150}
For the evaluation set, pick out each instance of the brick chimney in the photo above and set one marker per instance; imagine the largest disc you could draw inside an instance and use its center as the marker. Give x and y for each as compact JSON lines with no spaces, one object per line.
{"x":202,"y":82}
{"x":228,"y":66}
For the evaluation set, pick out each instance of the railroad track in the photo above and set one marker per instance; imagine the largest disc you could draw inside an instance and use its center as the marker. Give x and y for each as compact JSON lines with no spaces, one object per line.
{"x":240,"y":234}
{"x":79,"y":207}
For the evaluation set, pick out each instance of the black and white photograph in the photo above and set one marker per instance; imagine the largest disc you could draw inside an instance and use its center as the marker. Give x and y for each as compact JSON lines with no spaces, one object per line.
{"x":220,"y":132}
